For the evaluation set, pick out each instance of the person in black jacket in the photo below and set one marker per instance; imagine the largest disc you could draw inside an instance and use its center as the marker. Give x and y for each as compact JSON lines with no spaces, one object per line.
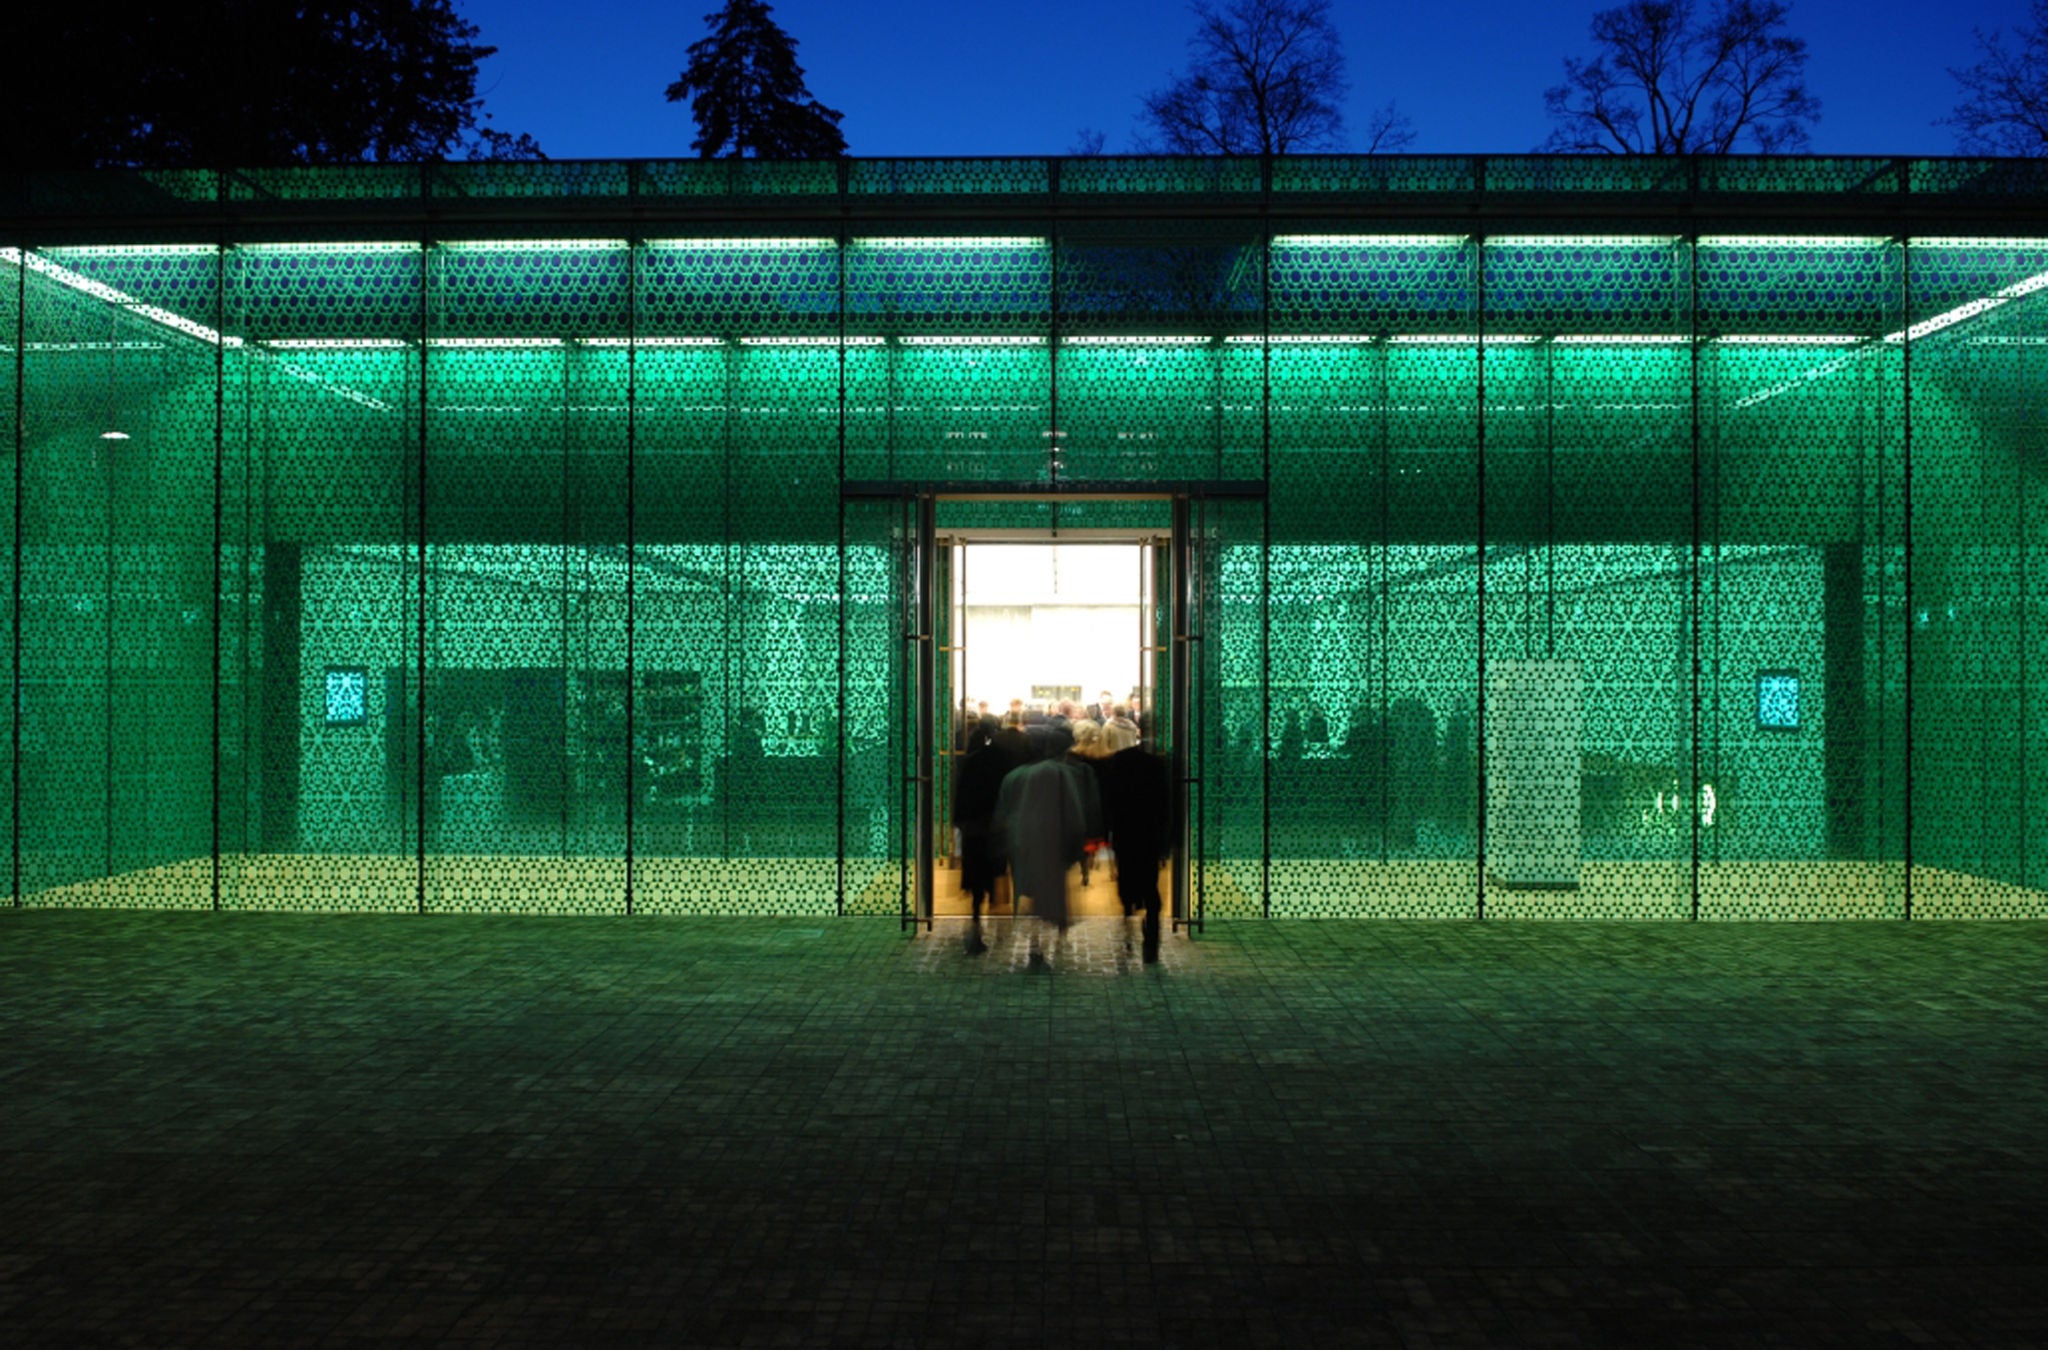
{"x":976,"y":788}
{"x":1137,"y":792}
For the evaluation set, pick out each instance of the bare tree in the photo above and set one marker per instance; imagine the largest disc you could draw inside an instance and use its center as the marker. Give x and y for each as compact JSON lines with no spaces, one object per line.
{"x":1671,"y":80}
{"x":1265,"y":77}
{"x":2004,"y":109}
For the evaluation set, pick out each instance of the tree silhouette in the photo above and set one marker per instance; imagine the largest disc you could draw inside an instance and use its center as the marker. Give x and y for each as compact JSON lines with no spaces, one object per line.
{"x":2004,"y":109}
{"x":747,"y":92}
{"x":253,"y":82}
{"x":1672,"y":81}
{"x":1265,"y":77}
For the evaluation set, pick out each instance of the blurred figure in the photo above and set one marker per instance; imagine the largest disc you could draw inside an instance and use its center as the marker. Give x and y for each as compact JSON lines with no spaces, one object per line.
{"x":1038,"y":821}
{"x":1084,"y":761}
{"x":1012,"y":739}
{"x":1137,"y":791}
{"x":975,"y":790}
{"x":1141,"y":718}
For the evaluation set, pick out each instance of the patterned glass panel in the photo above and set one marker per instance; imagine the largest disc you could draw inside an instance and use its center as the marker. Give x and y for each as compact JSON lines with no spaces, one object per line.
{"x":319,"y":567}
{"x":1977,"y":335}
{"x":117,"y":481}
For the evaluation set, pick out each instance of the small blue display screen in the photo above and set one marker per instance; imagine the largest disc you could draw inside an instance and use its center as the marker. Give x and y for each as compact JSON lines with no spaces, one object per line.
{"x":348,"y":696}
{"x":1777,"y":700}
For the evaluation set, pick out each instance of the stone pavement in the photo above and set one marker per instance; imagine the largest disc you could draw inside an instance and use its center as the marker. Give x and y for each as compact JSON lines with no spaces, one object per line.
{"x":297,"y":1130}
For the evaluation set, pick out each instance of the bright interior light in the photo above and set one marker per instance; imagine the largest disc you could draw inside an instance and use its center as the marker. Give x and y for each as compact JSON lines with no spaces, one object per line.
{"x":99,"y":290}
{"x":1952,"y":241}
{"x":1790,"y":339}
{"x":493,"y":343}
{"x":1367,"y":240}
{"x":653,"y":342}
{"x":1461,"y":339}
{"x":953,"y":241}
{"x":1093,"y":340}
{"x":136,"y":250}
{"x":809,"y":342}
{"x":1946,"y":319}
{"x":1579,"y":240}
{"x":1300,"y":339}
{"x":113,"y":435}
{"x":734,"y":245}
{"x":1793,"y":240}
{"x":1620,"y":339}
{"x":335,"y":344}
{"x":338,"y":246}
{"x":935,"y":341}
{"x":527,"y":245}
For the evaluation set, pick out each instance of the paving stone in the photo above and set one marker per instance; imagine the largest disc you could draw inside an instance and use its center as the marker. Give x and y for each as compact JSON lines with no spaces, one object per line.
{"x":371,"y":1130}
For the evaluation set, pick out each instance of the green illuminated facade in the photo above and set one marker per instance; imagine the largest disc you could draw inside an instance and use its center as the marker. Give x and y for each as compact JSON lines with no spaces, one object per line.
{"x":560,"y":537}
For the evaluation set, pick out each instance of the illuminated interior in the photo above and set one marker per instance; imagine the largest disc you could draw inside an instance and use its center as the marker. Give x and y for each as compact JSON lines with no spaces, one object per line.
{"x":512,"y":562}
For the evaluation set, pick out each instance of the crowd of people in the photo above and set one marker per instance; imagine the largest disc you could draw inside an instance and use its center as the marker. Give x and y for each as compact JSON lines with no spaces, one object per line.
{"x":1039,"y":790}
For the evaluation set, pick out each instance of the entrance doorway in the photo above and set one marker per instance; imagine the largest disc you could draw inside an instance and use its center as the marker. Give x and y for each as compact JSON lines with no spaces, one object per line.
{"x":1061,"y":630}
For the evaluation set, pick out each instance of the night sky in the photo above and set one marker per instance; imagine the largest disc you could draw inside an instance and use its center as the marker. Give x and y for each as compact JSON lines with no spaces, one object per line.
{"x":957,"y":77}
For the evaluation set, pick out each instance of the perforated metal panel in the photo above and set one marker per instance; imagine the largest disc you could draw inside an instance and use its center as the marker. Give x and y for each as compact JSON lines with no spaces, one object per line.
{"x":475,"y":538}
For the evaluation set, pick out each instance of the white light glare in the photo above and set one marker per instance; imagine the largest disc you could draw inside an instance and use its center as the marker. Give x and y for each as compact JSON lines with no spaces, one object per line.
{"x":1970,"y":309}
{"x":954,"y":241}
{"x":808,"y":342}
{"x":99,"y":290}
{"x":1793,"y":241}
{"x":1460,"y":339}
{"x":113,"y":435}
{"x":335,"y":344}
{"x":972,"y":341}
{"x":1300,"y":339}
{"x":1092,"y":340}
{"x":1790,"y":339}
{"x":736,"y":245}
{"x":1947,"y":241}
{"x":1620,"y":339}
{"x":653,"y":342}
{"x":339,"y":246}
{"x":493,"y":343}
{"x":1580,"y":240}
{"x":1367,"y":240}
{"x":528,"y":245}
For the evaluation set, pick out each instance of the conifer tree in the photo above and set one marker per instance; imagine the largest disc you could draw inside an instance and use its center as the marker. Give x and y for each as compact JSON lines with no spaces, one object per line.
{"x":747,"y":92}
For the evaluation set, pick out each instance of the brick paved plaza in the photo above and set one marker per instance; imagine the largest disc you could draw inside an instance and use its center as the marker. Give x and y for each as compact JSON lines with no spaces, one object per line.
{"x":304,"y":1130}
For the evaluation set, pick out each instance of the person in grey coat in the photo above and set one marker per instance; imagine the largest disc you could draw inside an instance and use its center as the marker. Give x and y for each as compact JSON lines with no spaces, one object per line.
{"x":1040,"y":822}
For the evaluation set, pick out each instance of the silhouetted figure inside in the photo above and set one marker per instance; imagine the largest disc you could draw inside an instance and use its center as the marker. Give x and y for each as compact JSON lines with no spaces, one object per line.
{"x":975,"y":790}
{"x":1039,"y":822}
{"x":1136,"y":788}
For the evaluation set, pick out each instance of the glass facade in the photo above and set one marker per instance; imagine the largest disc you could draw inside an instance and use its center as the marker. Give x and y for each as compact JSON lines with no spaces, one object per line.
{"x":546,"y":538}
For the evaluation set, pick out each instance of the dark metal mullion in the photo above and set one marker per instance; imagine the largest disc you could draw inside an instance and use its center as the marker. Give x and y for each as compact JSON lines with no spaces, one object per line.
{"x":1265,"y":552}
{"x":1906,"y":530}
{"x":1479,"y":359}
{"x":419,"y":478}
{"x":220,"y":358}
{"x":14,"y":632}
{"x":839,"y":780}
{"x":568,"y":355}
{"x":1692,"y":637}
{"x":635,"y":246}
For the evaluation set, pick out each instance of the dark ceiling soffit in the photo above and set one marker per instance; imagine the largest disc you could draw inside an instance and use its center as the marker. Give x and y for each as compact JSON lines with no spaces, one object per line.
{"x":1819,"y":213}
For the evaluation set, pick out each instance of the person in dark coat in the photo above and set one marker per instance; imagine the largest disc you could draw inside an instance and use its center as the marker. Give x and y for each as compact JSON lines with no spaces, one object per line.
{"x":1137,"y":795}
{"x":1038,"y":822}
{"x":976,"y":787}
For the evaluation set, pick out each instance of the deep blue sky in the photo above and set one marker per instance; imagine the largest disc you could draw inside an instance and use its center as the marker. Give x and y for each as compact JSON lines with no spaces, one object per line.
{"x":946,"y":77}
